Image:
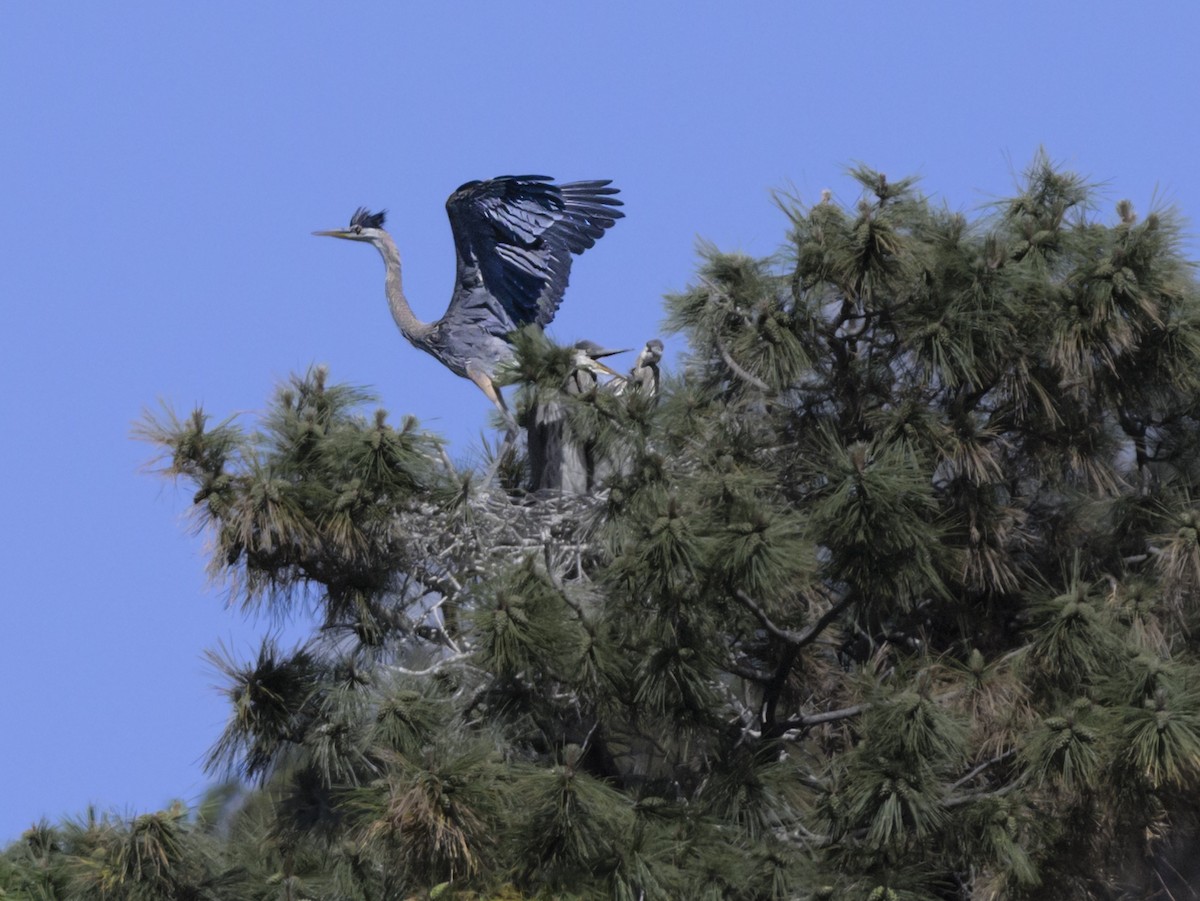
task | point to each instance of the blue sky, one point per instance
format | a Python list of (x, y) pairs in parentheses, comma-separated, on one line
[(162, 167)]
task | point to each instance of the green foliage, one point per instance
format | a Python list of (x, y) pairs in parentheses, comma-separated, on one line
[(525, 629), (891, 592), (433, 813)]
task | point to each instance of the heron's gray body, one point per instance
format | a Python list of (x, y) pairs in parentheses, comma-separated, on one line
[(470, 343)]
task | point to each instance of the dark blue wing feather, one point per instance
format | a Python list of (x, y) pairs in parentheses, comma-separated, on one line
[(514, 237)]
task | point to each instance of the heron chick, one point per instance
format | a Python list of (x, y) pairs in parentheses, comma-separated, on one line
[(514, 239), (587, 355), (645, 372)]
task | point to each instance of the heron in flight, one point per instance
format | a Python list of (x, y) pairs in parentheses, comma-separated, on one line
[(514, 237)]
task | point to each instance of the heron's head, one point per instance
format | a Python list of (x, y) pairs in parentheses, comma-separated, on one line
[(589, 353), (364, 226)]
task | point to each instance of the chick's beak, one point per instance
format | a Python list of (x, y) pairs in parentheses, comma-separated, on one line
[(596, 364)]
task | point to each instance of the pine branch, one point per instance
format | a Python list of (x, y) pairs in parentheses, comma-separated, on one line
[(739, 371), (816, 719), (975, 771), (959, 800), (805, 636), (435, 668), (845, 713), (558, 583), (746, 672), (787, 635)]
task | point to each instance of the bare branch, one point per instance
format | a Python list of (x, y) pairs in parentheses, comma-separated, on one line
[(746, 601), (959, 800), (800, 638), (739, 371), (975, 771), (434, 668), (829, 716)]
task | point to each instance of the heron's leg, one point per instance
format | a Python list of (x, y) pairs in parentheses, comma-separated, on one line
[(488, 387), (508, 448)]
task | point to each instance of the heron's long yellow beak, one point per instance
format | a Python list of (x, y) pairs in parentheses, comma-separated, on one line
[(337, 233), (583, 361)]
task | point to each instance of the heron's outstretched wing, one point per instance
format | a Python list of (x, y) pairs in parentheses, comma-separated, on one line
[(514, 237)]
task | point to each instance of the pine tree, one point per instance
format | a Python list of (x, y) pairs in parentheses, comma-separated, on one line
[(891, 592)]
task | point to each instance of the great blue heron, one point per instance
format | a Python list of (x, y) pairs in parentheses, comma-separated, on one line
[(559, 460), (645, 376), (587, 355), (514, 237)]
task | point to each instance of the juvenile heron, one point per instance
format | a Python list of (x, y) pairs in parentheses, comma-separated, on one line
[(588, 355), (559, 459), (645, 375), (514, 237)]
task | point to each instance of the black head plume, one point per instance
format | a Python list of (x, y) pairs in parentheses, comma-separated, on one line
[(364, 218)]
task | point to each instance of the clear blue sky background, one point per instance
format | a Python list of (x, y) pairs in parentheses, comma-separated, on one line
[(162, 166)]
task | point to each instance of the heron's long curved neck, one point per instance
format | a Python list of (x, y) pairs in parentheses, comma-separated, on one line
[(410, 326)]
